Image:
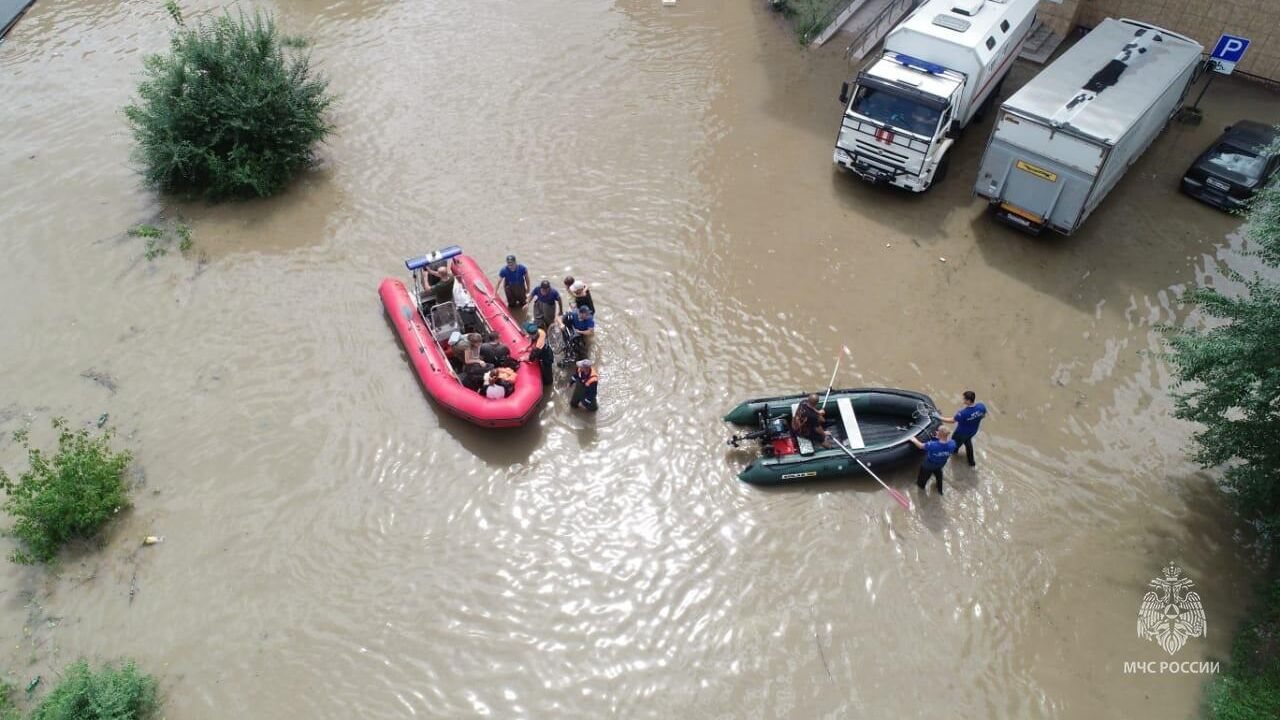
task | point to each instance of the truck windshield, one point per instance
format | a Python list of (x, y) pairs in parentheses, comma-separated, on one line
[(900, 112)]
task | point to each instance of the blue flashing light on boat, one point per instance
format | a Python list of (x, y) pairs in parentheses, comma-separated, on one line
[(425, 260)]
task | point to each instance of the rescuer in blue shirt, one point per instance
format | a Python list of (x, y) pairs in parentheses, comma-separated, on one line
[(936, 454), (967, 421), (513, 280)]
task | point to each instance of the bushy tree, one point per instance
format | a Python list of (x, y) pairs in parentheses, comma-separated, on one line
[(1229, 375), (232, 110), (67, 496), (109, 693)]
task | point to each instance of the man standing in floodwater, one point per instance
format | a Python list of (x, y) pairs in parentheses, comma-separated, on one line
[(585, 382), (936, 454), (967, 421), (514, 280)]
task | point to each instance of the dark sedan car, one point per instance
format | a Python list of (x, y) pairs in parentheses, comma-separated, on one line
[(1237, 164)]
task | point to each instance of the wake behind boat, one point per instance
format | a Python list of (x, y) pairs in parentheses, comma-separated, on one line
[(875, 424)]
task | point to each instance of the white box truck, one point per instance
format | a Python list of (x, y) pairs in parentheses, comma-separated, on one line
[(938, 68), (1063, 141)]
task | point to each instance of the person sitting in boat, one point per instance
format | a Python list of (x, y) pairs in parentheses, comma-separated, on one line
[(585, 383), (807, 422), (514, 280), (936, 454), (546, 304), (495, 352), (580, 293), (452, 350), (499, 385), (467, 349), (540, 351), (474, 375)]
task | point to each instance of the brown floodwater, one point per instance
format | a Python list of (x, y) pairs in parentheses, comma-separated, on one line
[(336, 547)]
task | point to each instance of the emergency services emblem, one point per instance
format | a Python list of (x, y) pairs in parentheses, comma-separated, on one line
[(1171, 612)]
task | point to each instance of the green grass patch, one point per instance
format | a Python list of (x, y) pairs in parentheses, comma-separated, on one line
[(8, 705), (67, 495), (160, 238), (809, 17), (1250, 688), (108, 693)]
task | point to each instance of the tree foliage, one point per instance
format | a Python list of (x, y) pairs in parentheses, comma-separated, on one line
[(1229, 374), (110, 693), (67, 496), (232, 110)]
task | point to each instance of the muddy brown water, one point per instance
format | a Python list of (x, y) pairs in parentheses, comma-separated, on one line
[(335, 547)]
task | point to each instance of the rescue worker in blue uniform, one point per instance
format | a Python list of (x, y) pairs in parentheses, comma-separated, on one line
[(936, 454), (967, 420)]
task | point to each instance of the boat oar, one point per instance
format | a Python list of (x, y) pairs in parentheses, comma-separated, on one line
[(844, 351), (902, 499)]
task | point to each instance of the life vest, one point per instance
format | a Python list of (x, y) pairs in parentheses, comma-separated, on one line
[(590, 379)]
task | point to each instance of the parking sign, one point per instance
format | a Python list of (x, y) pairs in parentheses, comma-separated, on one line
[(1228, 52)]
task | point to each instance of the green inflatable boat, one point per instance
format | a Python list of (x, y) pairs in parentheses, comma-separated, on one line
[(876, 424)]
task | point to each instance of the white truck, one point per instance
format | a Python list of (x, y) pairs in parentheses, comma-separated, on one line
[(1064, 140), (940, 67)]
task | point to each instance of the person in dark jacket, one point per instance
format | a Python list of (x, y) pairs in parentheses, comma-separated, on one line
[(474, 375), (808, 420), (936, 454), (585, 384), (540, 352)]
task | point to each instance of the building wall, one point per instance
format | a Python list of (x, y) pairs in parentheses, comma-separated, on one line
[(1203, 20)]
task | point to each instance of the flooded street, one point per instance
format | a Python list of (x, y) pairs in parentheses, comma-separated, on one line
[(337, 547)]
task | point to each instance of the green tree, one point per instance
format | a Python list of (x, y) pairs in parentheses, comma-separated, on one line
[(1229, 374), (232, 110), (67, 496)]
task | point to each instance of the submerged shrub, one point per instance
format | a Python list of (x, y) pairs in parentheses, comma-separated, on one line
[(107, 694), (232, 110), (67, 496)]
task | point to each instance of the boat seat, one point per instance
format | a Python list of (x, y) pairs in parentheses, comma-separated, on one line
[(444, 321), (852, 434)]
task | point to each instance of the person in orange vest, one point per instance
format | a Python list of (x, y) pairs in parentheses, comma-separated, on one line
[(540, 352), (584, 382)]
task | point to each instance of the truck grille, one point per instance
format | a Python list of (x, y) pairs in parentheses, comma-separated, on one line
[(877, 151)]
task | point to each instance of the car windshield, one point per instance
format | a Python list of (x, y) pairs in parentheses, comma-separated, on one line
[(897, 111), (1234, 160)]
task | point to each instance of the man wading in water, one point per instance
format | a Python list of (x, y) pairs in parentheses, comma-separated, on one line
[(967, 421), (936, 454), (515, 278)]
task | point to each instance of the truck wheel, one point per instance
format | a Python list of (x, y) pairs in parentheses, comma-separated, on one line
[(941, 173), (989, 102)]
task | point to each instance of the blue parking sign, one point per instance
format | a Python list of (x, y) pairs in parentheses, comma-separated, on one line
[(1228, 52)]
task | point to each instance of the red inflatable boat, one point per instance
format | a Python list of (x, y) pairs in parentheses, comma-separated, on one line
[(425, 319)]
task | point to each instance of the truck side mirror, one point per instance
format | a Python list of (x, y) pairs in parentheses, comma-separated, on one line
[(844, 93), (953, 130)]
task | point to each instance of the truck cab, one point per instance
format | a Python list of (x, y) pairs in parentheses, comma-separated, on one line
[(899, 122), (939, 68)]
